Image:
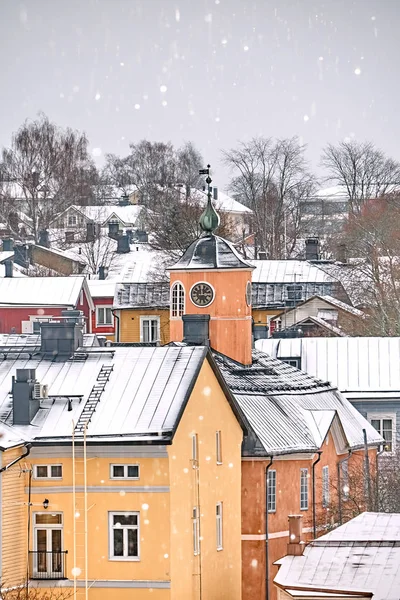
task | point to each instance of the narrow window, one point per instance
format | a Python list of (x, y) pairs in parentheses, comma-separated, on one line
[(218, 447), (303, 489), (385, 428), (345, 480), (149, 329), (218, 515), (195, 452), (177, 300), (195, 530), (124, 535), (271, 491), (325, 486)]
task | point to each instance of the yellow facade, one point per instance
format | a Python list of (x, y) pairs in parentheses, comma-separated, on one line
[(170, 484), (129, 328)]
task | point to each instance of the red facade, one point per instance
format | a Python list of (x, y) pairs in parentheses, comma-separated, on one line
[(98, 328)]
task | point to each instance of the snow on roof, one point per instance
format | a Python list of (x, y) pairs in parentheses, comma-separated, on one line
[(275, 399), (330, 300), (41, 291), (6, 255), (322, 323), (145, 393), (361, 556), (101, 288), (102, 214), (210, 252), (223, 202), (144, 295), (353, 364), (288, 271)]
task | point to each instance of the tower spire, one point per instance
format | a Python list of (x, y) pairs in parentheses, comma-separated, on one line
[(209, 219)]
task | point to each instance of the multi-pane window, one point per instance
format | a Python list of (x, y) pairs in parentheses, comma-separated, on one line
[(47, 471), (303, 489), (385, 428), (124, 471), (177, 300), (271, 491), (325, 486), (149, 329), (72, 220), (195, 450), (124, 535), (196, 531), (218, 516), (218, 447), (104, 316)]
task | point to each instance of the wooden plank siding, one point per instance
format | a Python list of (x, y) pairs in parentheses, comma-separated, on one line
[(14, 535), (130, 324)]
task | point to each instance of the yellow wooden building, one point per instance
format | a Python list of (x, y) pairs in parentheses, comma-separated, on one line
[(121, 472)]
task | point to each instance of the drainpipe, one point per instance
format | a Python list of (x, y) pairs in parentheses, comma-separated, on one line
[(13, 462), (377, 503), (313, 494), (367, 471), (339, 465), (267, 468), (117, 325)]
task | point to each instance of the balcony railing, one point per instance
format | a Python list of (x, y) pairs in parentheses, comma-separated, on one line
[(47, 565)]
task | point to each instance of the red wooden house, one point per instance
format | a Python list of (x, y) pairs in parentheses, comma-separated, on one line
[(102, 293), (25, 301)]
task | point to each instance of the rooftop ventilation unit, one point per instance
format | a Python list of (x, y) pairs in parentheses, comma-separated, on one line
[(40, 391)]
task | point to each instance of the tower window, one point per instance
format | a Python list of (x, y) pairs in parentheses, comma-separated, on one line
[(177, 300)]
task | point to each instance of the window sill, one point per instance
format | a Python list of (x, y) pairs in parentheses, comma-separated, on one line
[(104, 325), (304, 508), (219, 464), (124, 478), (124, 559), (271, 512)]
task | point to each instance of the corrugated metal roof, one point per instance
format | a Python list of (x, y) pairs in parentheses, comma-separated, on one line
[(145, 393), (288, 271), (363, 555), (353, 364), (211, 252), (276, 399), (40, 291), (145, 295), (276, 295)]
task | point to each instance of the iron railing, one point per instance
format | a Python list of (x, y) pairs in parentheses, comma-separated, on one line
[(47, 565)]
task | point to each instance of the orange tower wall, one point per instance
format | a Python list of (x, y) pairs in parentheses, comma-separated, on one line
[(230, 317)]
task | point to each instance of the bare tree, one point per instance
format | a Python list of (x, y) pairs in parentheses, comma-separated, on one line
[(25, 592), (101, 252), (45, 169), (272, 177), (363, 171)]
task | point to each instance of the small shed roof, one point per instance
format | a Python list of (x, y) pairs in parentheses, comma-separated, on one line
[(362, 556)]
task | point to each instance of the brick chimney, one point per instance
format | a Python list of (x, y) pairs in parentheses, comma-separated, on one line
[(295, 546)]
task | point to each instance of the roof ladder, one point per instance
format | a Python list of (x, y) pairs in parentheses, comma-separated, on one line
[(94, 398)]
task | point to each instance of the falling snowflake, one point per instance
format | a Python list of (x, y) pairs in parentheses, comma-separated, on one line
[(306, 118), (245, 48), (177, 15), (224, 41), (97, 96), (164, 103), (208, 18), (76, 571), (145, 506), (163, 89), (357, 71), (96, 152), (137, 106)]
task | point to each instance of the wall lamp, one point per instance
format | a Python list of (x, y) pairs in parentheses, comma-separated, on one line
[(45, 503)]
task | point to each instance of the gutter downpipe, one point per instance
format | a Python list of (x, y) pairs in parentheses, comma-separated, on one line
[(378, 454), (313, 494), (117, 325), (340, 462), (267, 468)]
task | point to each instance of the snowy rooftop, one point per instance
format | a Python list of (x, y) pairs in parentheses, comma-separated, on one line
[(144, 295), (101, 288), (145, 393), (282, 405), (288, 271), (211, 252), (223, 202), (41, 291), (333, 302), (361, 556), (356, 365), (127, 215)]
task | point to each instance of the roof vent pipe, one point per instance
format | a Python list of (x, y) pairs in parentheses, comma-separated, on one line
[(9, 266), (25, 405), (262, 255), (312, 249)]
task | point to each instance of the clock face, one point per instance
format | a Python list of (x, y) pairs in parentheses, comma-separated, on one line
[(202, 294), (248, 293)]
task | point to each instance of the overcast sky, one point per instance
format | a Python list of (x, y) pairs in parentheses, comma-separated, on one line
[(210, 71)]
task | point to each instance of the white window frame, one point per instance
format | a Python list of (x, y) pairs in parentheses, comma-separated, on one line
[(219, 525), (104, 307), (125, 466), (124, 558), (271, 491), (178, 300), (151, 318), (35, 475), (325, 486), (303, 489), (196, 530), (218, 447), (375, 416), (72, 217), (195, 450)]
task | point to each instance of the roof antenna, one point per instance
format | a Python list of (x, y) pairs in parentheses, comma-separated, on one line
[(209, 220)]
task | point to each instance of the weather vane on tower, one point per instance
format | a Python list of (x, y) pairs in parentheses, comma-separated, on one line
[(209, 220)]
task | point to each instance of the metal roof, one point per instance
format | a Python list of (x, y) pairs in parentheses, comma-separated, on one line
[(143, 295), (353, 364), (361, 556), (42, 291), (288, 271), (101, 288), (276, 295), (280, 402), (210, 252), (145, 394)]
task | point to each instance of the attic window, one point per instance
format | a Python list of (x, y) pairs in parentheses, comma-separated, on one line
[(72, 220), (293, 361)]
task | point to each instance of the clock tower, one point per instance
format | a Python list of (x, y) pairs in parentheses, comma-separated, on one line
[(213, 280)]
